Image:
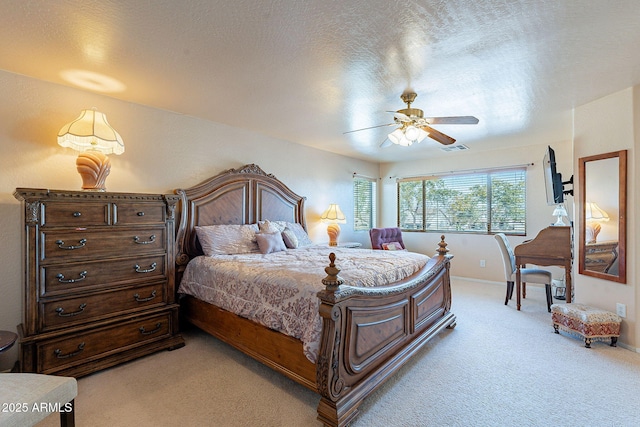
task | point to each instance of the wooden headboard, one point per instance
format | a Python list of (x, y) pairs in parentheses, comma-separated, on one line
[(236, 196)]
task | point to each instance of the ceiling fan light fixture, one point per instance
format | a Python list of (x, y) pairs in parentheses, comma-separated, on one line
[(412, 133), (422, 134), (396, 136)]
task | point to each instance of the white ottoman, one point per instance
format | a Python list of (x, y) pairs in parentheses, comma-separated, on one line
[(27, 399)]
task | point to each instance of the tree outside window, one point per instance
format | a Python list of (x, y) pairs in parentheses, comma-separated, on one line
[(479, 202)]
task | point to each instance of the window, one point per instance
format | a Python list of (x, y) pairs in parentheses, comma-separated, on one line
[(479, 202), (364, 203)]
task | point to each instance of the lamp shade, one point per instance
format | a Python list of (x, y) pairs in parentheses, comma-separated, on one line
[(333, 214), (560, 211), (91, 132), (593, 212)]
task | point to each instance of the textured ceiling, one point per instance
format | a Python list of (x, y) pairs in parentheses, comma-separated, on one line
[(308, 70)]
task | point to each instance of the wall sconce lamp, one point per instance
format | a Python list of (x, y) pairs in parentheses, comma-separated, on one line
[(333, 215), (559, 212), (593, 214), (94, 138), (407, 134)]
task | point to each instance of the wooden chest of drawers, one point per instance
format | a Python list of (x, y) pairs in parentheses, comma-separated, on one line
[(99, 279)]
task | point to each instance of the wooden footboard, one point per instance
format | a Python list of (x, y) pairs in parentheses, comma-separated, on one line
[(369, 333)]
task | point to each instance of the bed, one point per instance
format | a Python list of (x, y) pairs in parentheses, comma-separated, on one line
[(365, 334)]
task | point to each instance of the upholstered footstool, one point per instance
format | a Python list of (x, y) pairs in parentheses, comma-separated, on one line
[(30, 398), (588, 322)]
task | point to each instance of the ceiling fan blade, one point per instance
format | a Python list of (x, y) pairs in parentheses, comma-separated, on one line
[(386, 143), (454, 120), (438, 136), (371, 127), (401, 116)]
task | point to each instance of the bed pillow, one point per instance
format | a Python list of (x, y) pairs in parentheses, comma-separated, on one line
[(227, 239), (392, 246), (290, 238), (270, 242), (300, 233), (267, 226)]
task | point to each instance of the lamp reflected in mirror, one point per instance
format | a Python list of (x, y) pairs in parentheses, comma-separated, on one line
[(593, 215)]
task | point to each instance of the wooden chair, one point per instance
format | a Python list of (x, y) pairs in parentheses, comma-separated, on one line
[(380, 236), (531, 275)]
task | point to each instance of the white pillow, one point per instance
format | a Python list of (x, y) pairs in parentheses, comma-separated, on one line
[(302, 236), (227, 239), (290, 238), (267, 226), (270, 242)]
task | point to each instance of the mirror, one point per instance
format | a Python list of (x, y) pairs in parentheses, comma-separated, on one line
[(602, 206)]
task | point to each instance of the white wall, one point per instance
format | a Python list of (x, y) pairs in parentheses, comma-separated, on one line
[(164, 151), (469, 249), (603, 126)]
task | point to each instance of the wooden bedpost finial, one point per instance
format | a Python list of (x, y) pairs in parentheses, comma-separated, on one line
[(332, 281), (442, 246)]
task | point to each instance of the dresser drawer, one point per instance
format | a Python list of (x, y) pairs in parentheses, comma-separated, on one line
[(83, 347), (82, 276), (70, 311), (83, 243), (139, 213), (75, 214)]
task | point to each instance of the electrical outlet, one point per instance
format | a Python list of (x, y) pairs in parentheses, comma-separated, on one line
[(621, 309), (483, 263)]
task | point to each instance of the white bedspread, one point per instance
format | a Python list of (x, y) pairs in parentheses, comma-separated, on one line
[(278, 290)]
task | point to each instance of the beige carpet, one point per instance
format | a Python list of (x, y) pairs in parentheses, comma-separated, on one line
[(498, 367)]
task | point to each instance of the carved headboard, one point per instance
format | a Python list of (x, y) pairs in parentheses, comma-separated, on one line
[(236, 196)]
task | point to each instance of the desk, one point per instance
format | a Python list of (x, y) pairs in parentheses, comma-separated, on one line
[(600, 256), (552, 246)]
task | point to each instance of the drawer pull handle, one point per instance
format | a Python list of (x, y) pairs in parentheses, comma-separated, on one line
[(145, 332), (82, 243), (77, 214), (59, 354), (137, 297), (140, 214), (137, 240), (148, 270), (61, 279), (61, 312)]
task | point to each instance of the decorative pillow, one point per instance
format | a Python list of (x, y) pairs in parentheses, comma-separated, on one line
[(227, 239), (290, 239), (392, 246), (270, 242), (267, 226), (303, 237)]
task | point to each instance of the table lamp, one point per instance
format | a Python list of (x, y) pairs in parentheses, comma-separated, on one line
[(593, 214), (333, 215), (94, 138), (559, 212)]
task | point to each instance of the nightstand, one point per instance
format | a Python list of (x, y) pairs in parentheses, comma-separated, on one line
[(349, 245), (7, 339)]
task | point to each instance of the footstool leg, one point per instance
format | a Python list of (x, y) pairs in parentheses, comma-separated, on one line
[(555, 328), (614, 341), (587, 342)]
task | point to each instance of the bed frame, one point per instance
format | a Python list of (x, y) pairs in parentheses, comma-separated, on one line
[(367, 334)]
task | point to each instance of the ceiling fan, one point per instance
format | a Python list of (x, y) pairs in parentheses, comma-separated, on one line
[(414, 127)]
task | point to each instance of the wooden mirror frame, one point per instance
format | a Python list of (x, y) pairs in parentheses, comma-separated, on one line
[(621, 277)]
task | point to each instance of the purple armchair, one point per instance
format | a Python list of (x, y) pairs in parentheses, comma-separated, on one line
[(385, 235)]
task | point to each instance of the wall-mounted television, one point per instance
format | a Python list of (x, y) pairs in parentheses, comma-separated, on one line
[(553, 179)]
